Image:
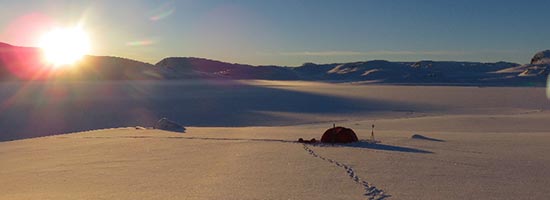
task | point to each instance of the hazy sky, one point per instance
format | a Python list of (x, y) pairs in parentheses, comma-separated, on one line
[(291, 32)]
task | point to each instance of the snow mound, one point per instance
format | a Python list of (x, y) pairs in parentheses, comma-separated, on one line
[(421, 137)]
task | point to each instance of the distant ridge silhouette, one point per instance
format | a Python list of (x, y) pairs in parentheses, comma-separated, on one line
[(24, 63)]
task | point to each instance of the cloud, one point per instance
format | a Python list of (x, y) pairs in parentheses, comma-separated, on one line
[(322, 53), (371, 53)]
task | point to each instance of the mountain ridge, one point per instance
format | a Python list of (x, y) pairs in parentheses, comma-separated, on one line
[(23, 63)]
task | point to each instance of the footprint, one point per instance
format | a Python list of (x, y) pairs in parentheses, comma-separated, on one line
[(371, 192)]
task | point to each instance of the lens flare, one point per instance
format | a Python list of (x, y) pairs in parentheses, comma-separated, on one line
[(162, 15), (26, 29), (163, 11), (140, 43)]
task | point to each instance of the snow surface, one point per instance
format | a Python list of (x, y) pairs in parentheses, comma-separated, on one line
[(486, 143)]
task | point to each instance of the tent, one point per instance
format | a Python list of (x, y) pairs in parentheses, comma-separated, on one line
[(339, 135)]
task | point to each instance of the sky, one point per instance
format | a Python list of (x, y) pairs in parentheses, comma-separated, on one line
[(291, 32)]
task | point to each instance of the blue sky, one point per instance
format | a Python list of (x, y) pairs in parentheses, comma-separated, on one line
[(286, 32)]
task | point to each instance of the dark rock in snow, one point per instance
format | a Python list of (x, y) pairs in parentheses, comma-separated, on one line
[(168, 125)]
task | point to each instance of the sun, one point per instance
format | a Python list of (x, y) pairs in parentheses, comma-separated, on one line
[(64, 46)]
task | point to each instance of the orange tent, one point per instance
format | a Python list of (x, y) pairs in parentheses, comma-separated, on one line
[(339, 135)]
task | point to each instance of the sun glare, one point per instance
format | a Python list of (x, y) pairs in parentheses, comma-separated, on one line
[(64, 46)]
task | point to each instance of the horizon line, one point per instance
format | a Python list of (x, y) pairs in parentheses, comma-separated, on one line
[(329, 53)]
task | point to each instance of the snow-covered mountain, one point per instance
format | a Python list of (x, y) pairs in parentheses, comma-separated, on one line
[(375, 71), (542, 57), (22, 63), (422, 72), (539, 68), (188, 67)]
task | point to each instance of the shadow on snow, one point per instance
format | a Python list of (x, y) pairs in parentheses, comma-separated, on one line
[(32, 109)]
